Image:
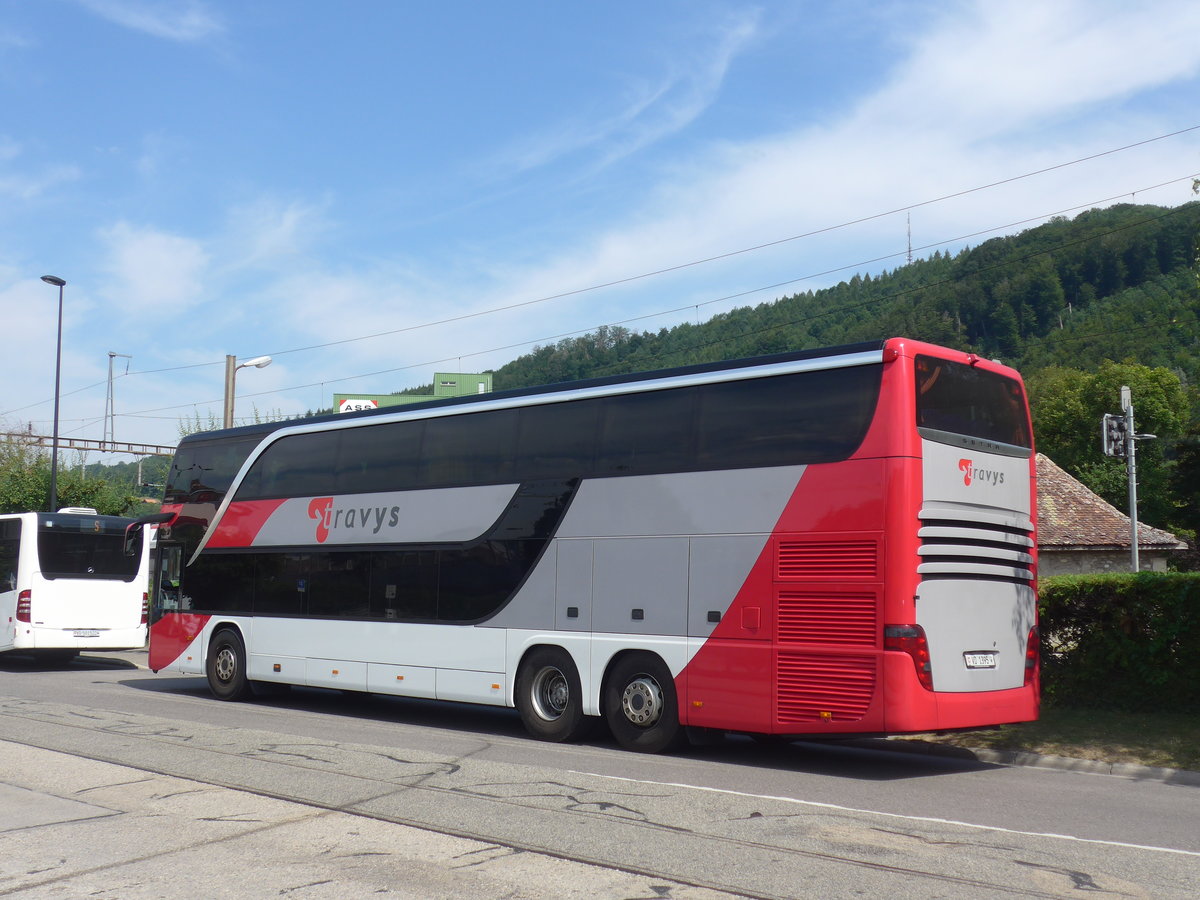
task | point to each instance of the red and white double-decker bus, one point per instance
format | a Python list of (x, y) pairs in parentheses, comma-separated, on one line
[(816, 543)]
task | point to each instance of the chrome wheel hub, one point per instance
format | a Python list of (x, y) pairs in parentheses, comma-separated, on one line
[(225, 665), (551, 692), (642, 701)]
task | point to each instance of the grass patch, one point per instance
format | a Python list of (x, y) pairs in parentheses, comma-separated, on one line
[(1150, 739)]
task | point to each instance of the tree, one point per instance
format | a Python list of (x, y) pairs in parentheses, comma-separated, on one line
[(1061, 417), (1067, 409), (25, 484), (1186, 480)]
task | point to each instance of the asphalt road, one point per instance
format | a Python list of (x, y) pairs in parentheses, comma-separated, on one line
[(737, 817)]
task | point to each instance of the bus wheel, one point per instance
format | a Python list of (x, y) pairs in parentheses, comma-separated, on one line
[(640, 704), (226, 666), (549, 697)]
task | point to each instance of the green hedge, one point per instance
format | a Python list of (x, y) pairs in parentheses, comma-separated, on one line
[(1129, 642)]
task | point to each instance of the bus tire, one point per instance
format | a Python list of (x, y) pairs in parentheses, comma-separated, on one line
[(549, 697), (640, 704), (226, 666)]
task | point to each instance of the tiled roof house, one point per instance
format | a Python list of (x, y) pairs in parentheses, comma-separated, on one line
[(1080, 533)]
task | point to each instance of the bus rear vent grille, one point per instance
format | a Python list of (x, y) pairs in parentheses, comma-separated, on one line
[(824, 618), (827, 560), (824, 688), (953, 545)]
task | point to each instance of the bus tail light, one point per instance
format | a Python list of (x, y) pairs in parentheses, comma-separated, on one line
[(145, 607), (911, 639), (1033, 647), (25, 606)]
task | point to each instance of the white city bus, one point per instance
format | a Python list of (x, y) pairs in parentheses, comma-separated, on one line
[(68, 582)]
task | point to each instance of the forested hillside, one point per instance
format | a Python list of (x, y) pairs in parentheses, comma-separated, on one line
[(1080, 306), (1117, 283)]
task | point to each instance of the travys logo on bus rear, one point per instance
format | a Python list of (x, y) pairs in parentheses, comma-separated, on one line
[(961, 475), (972, 474)]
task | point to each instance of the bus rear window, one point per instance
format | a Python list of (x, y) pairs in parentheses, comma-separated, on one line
[(79, 547), (964, 400)]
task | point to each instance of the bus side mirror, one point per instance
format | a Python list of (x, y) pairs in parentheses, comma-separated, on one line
[(133, 531)]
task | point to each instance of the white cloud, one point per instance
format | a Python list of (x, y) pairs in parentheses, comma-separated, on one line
[(989, 67), (988, 92), (158, 152), (650, 109), (10, 38), (268, 231), (186, 21), (27, 185), (153, 271)]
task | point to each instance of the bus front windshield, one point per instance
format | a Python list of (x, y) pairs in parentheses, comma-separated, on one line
[(959, 399)]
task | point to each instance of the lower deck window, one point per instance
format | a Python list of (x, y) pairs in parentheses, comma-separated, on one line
[(446, 585)]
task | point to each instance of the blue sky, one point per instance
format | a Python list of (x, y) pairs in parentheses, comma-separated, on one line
[(264, 176)]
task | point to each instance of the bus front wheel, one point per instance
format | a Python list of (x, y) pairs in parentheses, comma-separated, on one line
[(226, 666), (641, 706), (549, 697)]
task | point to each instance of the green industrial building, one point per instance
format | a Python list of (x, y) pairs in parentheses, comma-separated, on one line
[(445, 384)]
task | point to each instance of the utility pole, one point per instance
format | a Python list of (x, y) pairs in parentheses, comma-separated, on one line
[(231, 370), (110, 409), (1119, 439)]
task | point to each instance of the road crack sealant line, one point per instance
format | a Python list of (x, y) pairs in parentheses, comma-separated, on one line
[(456, 832), (932, 820), (158, 854)]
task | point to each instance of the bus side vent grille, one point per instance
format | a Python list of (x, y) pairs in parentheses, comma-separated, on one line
[(827, 560), (824, 688), (826, 618)]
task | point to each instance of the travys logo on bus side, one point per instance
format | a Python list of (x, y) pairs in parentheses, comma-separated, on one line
[(970, 473), (329, 518), (321, 509)]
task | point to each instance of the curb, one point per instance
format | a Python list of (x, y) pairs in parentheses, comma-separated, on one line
[(1035, 760)]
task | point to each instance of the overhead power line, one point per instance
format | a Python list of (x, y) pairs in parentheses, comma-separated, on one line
[(732, 253), (751, 291), (661, 271)]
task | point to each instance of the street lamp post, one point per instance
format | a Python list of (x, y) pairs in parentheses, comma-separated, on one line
[(231, 367), (60, 284)]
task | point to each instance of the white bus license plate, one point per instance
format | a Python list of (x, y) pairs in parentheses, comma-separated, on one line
[(980, 660), (91, 632)]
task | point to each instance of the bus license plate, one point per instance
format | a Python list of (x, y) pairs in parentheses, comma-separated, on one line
[(86, 632), (980, 660)]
